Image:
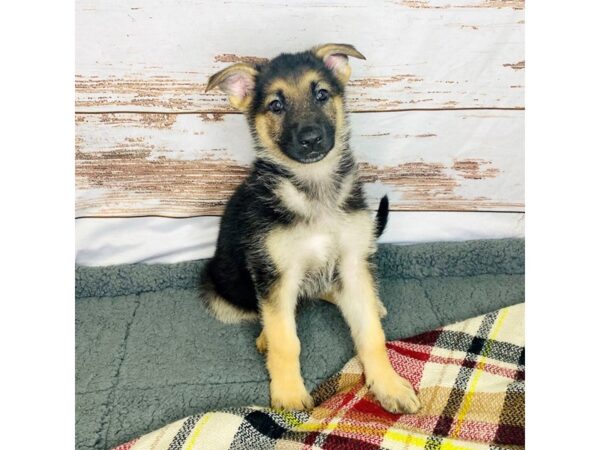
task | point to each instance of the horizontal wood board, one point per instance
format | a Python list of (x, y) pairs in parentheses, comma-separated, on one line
[(156, 56), (180, 165)]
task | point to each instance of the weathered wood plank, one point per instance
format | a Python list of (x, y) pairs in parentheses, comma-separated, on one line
[(437, 54), (181, 165)]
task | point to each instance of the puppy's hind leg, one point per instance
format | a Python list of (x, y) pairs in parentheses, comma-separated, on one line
[(261, 342), (381, 309), (330, 297)]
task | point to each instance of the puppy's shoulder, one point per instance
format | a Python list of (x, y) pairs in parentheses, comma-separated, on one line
[(355, 199)]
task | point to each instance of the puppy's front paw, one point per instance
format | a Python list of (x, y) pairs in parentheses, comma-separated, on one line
[(291, 397), (394, 393)]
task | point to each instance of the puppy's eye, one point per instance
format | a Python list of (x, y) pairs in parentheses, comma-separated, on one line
[(276, 106), (322, 95)]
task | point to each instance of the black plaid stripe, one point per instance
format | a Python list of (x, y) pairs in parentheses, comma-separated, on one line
[(498, 350), (511, 427), (261, 430), (326, 389), (520, 376), (184, 432), (522, 359), (296, 436), (444, 423), (257, 431)]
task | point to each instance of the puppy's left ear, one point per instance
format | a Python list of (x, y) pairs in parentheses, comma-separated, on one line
[(335, 57), (237, 81)]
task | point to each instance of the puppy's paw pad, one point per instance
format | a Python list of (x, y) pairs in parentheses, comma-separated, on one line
[(395, 394)]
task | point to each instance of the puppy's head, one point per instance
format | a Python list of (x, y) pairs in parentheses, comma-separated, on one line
[(294, 103)]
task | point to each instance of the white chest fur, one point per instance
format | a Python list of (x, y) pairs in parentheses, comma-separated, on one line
[(308, 252)]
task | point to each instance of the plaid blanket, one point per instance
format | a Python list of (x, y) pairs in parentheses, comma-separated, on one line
[(471, 382)]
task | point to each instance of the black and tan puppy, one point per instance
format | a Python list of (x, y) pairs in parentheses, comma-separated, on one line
[(298, 226)]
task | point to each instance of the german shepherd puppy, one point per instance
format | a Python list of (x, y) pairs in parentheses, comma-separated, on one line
[(298, 226)]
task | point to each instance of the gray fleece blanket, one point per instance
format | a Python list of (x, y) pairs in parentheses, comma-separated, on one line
[(148, 353)]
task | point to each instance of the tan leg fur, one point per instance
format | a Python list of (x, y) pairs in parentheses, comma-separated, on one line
[(361, 307), (261, 342), (359, 304), (328, 297), (283, 355)]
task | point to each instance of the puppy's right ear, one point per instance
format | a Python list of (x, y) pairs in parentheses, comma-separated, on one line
[(237, 81), (335, 57)]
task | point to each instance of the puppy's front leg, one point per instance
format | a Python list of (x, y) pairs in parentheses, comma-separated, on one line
[(283, 348), (359, 304)]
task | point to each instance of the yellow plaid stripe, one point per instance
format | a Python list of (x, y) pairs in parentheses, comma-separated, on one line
[(196, 432), (462, 413)]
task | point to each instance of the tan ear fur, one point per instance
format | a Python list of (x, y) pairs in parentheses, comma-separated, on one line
[(335, 57), (237, 81), (322, 51)]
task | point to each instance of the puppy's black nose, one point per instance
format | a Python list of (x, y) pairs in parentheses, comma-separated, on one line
[(310, 136)]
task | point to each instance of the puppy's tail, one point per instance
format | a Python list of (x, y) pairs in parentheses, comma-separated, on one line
[(382, 215)]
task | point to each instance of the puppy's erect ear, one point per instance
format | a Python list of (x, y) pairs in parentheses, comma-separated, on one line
[(237, 81), (335, 57)]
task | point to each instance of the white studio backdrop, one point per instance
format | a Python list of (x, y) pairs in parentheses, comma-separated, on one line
[(161, 240)]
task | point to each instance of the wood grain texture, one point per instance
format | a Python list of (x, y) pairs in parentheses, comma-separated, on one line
[(181, 165), (153, 56)]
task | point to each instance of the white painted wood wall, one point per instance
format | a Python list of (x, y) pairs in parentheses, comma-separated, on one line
[(437, 115)]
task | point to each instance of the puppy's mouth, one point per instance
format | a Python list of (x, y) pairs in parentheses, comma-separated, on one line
[(304, 156), (307, 155), (312, 157)]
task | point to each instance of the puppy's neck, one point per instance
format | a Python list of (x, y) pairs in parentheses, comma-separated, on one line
[(318, 191), (326, 174), (322, 173)]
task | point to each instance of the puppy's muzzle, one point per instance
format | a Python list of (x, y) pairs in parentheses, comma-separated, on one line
[(312, 144)]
